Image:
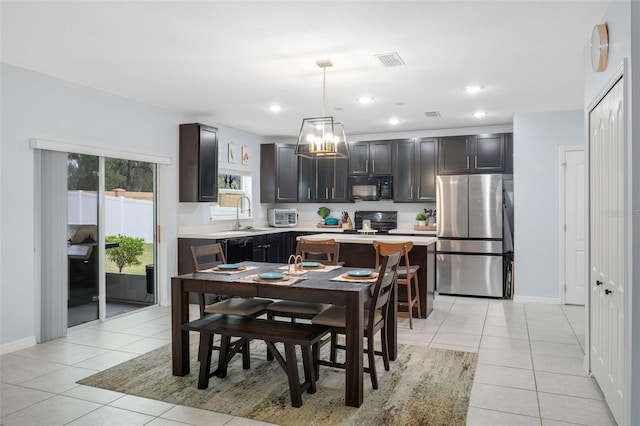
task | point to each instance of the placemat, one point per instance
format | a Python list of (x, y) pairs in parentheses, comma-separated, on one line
[(288, 280), (229, 271), (323, 268), (347, 278)]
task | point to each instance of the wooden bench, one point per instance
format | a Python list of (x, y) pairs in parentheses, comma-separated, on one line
[(307, 336)]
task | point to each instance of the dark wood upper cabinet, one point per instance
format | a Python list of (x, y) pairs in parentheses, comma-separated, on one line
[(198, 163), (454, 153), (370, 158), (489, 154), (471, 154), (403, 170), (414, 170), (278, 173), (306, 179), (425, 169), (340, 190)]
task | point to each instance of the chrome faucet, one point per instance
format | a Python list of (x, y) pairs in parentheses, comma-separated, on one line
[(238, 210)]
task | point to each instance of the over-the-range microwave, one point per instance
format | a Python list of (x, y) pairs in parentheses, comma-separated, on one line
[(282, 217), (371, 188)]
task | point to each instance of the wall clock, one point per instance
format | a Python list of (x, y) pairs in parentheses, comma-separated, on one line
[(599, 47)]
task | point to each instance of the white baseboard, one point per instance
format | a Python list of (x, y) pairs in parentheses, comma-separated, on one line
[(27, 342), (533, 299)]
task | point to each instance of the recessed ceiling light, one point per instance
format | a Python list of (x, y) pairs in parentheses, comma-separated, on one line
[(472, 90), (479, 114), (365, 100), (275, 108), (393, 121)]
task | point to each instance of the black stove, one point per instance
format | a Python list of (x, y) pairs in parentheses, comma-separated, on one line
[(381, 221)]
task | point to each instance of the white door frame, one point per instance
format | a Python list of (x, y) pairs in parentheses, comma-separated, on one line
[(561, 231)]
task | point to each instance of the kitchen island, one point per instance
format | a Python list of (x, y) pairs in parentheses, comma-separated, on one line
[(357, 251)]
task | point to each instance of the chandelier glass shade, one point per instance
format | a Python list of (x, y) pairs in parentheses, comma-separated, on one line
[(322, 137)]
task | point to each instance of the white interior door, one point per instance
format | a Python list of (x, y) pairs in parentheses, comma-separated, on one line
[(574, 208), (608, 229)]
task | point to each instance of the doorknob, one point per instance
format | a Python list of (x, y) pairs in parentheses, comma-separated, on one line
[(607, 291), (598, 282)]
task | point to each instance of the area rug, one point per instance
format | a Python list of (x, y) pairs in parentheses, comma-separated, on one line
[(425, 386)]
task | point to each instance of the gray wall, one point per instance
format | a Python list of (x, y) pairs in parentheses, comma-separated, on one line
[(536, 140), (38, 106)]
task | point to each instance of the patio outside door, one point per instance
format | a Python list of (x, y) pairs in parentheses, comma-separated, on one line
[(82, 238)]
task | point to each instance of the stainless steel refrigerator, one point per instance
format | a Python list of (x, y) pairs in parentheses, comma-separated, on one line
[(469, 230)]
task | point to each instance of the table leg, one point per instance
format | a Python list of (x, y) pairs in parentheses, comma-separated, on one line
[(179, 337), (354, 369)]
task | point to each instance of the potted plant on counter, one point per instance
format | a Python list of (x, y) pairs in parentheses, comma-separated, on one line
[(422, 219)]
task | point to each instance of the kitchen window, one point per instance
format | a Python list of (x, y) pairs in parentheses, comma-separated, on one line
[(232, 186)]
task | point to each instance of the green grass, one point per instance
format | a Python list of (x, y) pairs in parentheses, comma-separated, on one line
[(145, 259)]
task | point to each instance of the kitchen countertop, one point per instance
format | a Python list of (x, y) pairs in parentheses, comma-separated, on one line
[(368, 239), (270, 230)]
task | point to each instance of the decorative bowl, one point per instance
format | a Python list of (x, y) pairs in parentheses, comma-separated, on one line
[(331, 221), (359, 273), (271, 275)]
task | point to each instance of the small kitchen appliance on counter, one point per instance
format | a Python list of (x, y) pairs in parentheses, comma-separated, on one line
[(281, 218)]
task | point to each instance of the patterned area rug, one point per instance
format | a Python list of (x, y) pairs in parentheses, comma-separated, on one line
[(424, 387)]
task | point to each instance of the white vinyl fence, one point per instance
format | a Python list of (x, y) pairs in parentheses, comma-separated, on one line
[(126, 216)]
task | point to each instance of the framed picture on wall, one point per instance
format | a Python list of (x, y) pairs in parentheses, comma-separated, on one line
[(232, 152), (245, 155)]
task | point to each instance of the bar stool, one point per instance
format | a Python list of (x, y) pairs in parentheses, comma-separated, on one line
[(407, 275)]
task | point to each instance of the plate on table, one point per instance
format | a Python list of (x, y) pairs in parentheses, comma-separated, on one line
[(311, 264), (359, 273), (228, 266), (271, 276)]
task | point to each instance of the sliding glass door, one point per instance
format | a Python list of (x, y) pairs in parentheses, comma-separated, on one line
[(129, 222), (82, 238), (125, 210)]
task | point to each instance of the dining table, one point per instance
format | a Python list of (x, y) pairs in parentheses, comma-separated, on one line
[(317, 286)]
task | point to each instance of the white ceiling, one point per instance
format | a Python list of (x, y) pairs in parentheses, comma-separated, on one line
[(226, 62)]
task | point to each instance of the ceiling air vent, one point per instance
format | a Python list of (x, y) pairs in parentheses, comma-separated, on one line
[(390, 59), (432, 114)]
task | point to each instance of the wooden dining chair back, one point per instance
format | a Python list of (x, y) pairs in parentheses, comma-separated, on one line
[(407, 276), (375, 319), (325, 251), (207, 256)]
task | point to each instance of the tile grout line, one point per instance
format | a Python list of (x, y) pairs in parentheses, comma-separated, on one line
[(533, 365)]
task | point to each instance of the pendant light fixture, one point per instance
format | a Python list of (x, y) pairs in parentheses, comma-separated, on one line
[(322, 137)]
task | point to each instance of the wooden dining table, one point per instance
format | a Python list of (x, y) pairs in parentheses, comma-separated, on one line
[(316, 286)]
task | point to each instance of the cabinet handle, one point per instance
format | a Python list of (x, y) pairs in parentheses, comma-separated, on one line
[(418, 193), (598, 282), (309, 192), (607, 291), (467, 161), (475, 161), (333, 192), (373, 166), (366, 166), (326, 193), (411, 191), (278, 193)]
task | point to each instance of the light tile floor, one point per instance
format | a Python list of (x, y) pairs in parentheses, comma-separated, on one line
[(529, 368)]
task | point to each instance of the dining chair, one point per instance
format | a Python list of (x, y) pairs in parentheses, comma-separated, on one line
[(323, 251), (207, 257), (375, 314), (407, 276)]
